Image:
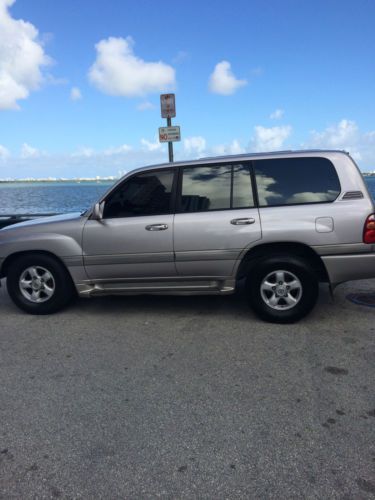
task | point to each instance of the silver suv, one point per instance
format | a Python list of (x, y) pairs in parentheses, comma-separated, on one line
[(282, 221)]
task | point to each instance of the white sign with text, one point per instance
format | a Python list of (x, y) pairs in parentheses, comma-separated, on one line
[(169, 134)]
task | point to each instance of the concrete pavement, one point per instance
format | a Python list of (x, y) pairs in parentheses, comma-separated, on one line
[(187, 397)]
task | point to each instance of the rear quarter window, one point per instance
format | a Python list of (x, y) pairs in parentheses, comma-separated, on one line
[(295, 181)]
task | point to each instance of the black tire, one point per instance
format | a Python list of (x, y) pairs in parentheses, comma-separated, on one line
[(305, 296), (61, 284)]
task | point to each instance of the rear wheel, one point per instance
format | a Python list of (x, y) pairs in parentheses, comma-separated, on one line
[(39, 284), (282, 289)]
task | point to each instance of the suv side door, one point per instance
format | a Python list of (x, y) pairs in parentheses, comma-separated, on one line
[(216, 218), (135, 237)]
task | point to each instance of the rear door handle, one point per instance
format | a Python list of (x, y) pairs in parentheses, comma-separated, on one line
[(157, 227), (242, 222)]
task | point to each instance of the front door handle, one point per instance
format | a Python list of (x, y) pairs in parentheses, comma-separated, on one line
[(157, 227), (242, 222)]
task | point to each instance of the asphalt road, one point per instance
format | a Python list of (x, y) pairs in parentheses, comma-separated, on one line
[(173, 397)]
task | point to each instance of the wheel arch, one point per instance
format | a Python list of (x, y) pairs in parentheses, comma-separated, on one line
[(14, 256), (290, 249)]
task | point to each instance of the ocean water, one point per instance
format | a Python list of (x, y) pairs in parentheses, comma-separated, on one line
[(370, 181), (49, 197), (63, 197)]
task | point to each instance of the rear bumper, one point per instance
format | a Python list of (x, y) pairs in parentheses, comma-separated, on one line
[(342, 268)]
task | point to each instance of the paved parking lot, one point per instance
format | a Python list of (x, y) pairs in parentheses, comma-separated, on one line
[(173, 397)]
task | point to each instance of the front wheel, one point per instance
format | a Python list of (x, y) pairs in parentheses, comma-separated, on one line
[(282, 289), (39, 284)]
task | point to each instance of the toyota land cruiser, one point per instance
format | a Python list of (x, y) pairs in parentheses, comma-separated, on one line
[(282, 221)]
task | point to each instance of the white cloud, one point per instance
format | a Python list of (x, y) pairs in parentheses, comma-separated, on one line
[(28, 151), (54, 80), (151, 146), (83, 152), (85, 162), (277, 114), (336, 136), (181, 57), (117, 71), (343, 135), (219, 149), (145, 105), (4, 153), (269, 139), (233, 148), (123, 149), (195, 145), (222, 80), (75, 94), (22, 58), (346, 135)]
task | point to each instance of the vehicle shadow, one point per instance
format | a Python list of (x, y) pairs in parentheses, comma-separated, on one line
[(165, 304), (236, 304)]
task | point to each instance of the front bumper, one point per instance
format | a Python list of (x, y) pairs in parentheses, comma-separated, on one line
[(342, 268)]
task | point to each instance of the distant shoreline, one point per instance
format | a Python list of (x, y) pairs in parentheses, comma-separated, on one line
[(58, 181)]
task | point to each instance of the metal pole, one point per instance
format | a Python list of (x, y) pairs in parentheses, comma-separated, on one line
[(170, 144)]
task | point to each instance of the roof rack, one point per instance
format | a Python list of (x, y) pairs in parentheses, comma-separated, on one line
[(275, 153), (242, 155)]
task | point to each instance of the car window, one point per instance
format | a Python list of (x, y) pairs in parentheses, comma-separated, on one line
[(144, 194), (242, 187), (291, 181), (216, 187)]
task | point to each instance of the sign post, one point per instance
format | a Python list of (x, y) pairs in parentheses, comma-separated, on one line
[(170, 143), (169, 134)]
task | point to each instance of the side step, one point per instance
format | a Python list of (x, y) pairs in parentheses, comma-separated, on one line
[(214, 287)]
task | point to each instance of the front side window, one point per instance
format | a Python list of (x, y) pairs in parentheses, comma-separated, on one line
[(144, 194), (216, 187), (293, 181)]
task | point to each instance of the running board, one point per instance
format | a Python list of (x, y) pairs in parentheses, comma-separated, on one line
[(213, 287)]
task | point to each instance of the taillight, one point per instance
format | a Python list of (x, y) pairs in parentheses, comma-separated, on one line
[(369, 230)]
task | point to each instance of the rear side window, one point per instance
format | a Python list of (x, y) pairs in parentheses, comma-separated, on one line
[(216, 187), (293, 181)]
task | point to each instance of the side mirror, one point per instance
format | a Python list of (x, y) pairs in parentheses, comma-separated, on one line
[(97, 213)]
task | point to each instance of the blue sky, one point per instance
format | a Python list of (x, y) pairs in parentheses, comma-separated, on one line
[(80, 82)]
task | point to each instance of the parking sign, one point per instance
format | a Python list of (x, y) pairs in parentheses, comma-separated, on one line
[(168, 105)]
